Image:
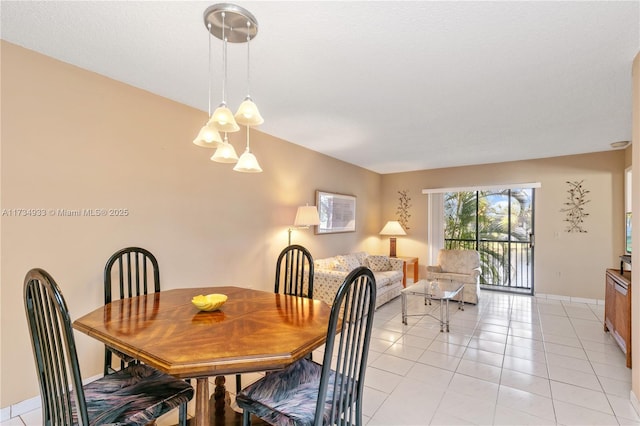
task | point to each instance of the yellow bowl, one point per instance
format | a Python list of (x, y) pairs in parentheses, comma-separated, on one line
[(210, 302)]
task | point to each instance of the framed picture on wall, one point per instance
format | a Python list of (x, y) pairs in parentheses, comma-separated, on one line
[(337, 212)]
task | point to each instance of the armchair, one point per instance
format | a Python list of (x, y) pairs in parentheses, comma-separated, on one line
[(460, 266)]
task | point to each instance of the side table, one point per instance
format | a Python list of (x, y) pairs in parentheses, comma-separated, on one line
[(408, 261)]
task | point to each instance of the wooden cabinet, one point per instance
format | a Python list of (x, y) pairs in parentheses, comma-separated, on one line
[(617, 309)]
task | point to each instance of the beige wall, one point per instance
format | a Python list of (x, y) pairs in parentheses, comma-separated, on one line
[(72, 139), (568, 264)]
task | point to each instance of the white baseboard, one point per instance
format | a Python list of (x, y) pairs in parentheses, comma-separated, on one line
[(570, 299), (5, 414), (23, 407)]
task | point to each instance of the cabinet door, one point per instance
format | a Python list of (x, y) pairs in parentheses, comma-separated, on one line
[(622, 315), (609, 303)]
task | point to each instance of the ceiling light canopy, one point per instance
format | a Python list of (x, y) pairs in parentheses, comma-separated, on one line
[(231, 24), (620, 144)]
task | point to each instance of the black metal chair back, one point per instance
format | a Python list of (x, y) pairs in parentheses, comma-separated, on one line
[(129, 272), (54, 350), (308, 393), (294, 272), (136, 271), (351, 315)]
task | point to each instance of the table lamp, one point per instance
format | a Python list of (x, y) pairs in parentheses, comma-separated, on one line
[(306, 216), (392, 227)]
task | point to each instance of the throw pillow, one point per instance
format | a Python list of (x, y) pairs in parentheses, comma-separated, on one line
[(337, 265), (379, 263), (347, 263)]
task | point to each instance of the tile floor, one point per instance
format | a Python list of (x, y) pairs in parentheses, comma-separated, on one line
[(510, 360)]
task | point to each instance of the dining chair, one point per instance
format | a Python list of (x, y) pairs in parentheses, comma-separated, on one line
[(135, 395), (129, 272), (307, 393), (294, 272)]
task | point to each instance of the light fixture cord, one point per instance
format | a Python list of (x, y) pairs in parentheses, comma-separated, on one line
[(210, 66), (224, 59), (247, 138), (248, 58)]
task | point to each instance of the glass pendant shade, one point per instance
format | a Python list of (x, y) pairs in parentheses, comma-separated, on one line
[(248, 163), (208, 137), (248, 114), (225, 153), (222, 119)]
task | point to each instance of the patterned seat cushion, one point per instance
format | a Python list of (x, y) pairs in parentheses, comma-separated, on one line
[(288, 397), (133, 396)]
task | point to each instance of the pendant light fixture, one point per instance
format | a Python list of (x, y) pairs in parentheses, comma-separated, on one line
[(222, 118), (231, 24), (248, 114), (208, 137), (225, 153), (248, 163)]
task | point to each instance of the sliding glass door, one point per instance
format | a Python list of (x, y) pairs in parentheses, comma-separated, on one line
[(499, 224)]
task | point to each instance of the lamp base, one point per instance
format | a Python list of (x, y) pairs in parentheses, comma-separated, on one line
[(392, 247)]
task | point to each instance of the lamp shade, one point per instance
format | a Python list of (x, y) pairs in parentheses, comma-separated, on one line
[(222, 119), (248, 114), (248, 163), (208, 137), (307, 216), (225, 153), (393, 227)]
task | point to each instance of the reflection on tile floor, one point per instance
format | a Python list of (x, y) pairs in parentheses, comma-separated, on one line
[(510, 360)]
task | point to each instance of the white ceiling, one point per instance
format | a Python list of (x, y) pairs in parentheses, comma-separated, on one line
[(389, 86)]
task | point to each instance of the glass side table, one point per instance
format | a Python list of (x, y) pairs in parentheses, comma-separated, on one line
[(430, 290)]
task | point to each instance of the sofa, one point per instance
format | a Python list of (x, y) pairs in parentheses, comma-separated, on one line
[(329, 274), (461, 266)]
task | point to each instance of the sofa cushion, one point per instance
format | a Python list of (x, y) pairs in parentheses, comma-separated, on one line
[(328, 263), (379, 263), (361, 256), (384, 278), (347, 263)]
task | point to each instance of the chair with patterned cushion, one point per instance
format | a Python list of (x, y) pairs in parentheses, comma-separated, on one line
[(135, 395), (307, 393)]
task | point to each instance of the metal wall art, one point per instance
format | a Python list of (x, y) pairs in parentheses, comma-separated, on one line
[(403, 209), (575, 207)]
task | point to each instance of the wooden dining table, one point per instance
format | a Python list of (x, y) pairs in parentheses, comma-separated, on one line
[(253, 331)]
